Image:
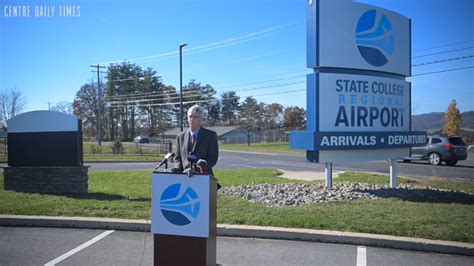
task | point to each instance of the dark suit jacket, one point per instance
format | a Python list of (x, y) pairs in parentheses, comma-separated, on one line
[(206, 148)]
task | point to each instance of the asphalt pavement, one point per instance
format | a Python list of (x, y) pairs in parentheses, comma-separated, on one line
[(40, 246), (463, 172)]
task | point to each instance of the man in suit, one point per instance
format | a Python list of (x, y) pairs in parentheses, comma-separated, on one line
[(197, 141)]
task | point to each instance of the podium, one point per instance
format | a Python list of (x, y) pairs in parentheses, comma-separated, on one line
[(184, 217)]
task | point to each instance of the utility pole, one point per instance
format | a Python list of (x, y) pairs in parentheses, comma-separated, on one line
[(49, 105), (181, 85), (99, 107)]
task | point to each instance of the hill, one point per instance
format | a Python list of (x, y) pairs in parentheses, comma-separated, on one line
[(435, 121)]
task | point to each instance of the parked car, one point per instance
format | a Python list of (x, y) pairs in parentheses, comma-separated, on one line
[(440, 149), (141, 139)]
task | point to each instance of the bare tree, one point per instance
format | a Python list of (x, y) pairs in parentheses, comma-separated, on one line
[(12, 103), (63, 107)]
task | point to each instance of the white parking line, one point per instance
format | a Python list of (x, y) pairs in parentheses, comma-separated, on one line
[(361, 256), (79, 248)]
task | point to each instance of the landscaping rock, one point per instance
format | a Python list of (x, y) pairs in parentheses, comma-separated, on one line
[(296, 194)]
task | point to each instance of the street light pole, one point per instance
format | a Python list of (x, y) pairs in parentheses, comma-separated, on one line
[(181, 84), (99, 111)]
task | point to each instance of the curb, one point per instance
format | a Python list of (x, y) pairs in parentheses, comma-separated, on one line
[(324, 236), (124, 161), (111, 161)]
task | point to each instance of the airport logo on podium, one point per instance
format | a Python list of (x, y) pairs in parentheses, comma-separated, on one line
[(374, 38), (179, 204)]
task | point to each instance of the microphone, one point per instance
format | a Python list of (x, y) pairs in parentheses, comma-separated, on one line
[(192, 158), (202, 166), (192, 163), (169, 155), (165, 160)]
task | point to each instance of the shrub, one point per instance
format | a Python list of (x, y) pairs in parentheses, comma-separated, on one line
[(117, 147), (96, 149)]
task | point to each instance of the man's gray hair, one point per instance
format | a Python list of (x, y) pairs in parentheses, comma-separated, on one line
[(196, 110)]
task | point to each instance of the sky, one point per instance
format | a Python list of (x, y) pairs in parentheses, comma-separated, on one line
[(230, 43)]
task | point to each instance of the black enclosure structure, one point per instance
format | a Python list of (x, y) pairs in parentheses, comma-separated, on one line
[(45, 154), (45, 138)]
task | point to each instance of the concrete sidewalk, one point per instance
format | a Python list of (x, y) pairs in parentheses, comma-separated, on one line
[(324, 236), (308, 175)]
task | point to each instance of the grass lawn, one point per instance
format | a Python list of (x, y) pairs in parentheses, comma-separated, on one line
[(262, 147), (126, 194), (113, 157)]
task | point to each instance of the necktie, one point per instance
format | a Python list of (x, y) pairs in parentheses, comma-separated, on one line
[(192, 143)]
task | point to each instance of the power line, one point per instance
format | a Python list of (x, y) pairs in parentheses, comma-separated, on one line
[(420, 74), (443, 52), (271, 86), (150, 94), (249, 89), (209, 100), (257, 81), (444, 45), (444, 60), (265, 81), (165, 94), (442, 71), (213, 45), (237, 97), (161, 94), (155, 99), (274, 93), (130, 78), (221, 87), (193, 70)]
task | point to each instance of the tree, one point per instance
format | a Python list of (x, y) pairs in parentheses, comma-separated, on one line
[(250, 117), (63, 107), (452, 120), (86, 106), (12, 103), (295, 118), (194, 93), (154, 114), (214, 113), (230, 107), (274, 115), (138, 101)]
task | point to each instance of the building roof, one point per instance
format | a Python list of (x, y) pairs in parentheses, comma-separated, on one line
[(219, 130)]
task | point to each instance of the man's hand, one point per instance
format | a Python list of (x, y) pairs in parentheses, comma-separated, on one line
[(188, 172)]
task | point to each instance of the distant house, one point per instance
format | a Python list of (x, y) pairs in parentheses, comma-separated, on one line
[(225, 134)]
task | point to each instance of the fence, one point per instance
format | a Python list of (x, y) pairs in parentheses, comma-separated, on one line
[(3, 146), (263, 136), (128, 148)]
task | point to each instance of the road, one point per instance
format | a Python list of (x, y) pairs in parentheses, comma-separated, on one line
[(38, 246), (464, 171)]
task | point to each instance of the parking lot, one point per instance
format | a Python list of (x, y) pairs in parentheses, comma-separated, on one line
[(40, 246)]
